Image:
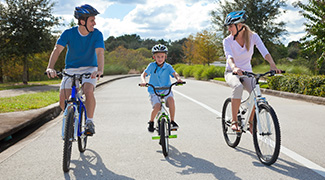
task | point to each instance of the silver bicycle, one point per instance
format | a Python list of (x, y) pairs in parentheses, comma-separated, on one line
[(266, 128)]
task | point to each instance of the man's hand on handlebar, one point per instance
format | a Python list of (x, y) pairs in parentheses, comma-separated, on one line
[(51, 73)]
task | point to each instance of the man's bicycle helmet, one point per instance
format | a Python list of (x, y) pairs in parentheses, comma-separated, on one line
[(85, 11), (159, 48), (235, 18)]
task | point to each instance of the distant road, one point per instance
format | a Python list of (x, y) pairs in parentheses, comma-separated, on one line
[(122, 147)]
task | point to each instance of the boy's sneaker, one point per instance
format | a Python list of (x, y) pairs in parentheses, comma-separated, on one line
[(150, 127), (174, 125), (90, 128)]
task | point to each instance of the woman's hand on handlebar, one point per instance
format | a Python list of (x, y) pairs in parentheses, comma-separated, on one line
[(237, 71)]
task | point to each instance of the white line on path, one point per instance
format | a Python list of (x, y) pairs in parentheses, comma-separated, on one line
[(307, 163)]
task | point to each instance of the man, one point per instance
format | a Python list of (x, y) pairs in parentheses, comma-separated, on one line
[(85, 54)]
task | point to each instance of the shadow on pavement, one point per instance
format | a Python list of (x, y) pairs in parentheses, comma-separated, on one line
[(194, 165), (92, 167), (287, 168)]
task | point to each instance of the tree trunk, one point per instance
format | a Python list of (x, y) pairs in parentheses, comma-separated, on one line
[(25, 71)]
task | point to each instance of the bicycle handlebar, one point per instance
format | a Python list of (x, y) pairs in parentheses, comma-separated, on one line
[(61, 74), (155, 89), (258, 76)]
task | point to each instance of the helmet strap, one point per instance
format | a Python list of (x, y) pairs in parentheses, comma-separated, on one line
[(86, 24), (238, 31)]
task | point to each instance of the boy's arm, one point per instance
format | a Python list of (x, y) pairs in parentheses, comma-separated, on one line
[(177, 77), (143, 79)]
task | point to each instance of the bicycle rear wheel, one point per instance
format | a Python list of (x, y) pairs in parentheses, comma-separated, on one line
[(164, 135), (232, 138), (266, 135), (68, 138), (82, 139)]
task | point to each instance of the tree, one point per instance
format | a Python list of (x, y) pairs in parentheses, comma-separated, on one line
[(26, 29), (204, 48), (314, 42), (261, 16)]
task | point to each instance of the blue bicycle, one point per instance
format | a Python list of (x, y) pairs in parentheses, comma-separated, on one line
[(74, 119)]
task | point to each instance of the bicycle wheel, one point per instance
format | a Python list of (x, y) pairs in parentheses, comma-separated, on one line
[(82, 138), (232, 138), (68, 138), (164, 134), (266, 135)]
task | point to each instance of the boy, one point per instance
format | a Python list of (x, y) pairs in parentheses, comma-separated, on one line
[(160, 73)]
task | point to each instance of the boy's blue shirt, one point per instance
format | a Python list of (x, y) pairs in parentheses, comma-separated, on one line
[(81, 49), (159, 76)]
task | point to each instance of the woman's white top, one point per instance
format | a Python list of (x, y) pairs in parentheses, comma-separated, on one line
[(241, 56)]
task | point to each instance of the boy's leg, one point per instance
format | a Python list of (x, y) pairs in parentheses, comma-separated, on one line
[(171, 106)]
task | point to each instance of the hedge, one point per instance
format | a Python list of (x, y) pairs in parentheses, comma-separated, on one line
[(199, 72), (302, 84)]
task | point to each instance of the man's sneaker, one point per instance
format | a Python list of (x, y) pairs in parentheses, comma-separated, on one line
[(174, 125), (150, 127), (90, 128)]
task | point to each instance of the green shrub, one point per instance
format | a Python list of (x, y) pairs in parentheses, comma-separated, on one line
[(115, 69), (302, 84)]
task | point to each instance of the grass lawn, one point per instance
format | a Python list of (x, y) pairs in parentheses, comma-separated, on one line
[(28, 101)]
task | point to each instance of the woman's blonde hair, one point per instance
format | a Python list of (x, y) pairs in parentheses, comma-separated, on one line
[(247, 36)]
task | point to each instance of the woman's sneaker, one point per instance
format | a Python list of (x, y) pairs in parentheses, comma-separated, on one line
[(150, 127), (174, 125)]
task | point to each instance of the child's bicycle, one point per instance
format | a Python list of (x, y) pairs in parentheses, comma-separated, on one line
[(74, 119), (163, 125), (266, 128)]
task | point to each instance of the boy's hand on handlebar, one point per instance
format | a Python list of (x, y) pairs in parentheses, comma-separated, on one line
[(143, 84)]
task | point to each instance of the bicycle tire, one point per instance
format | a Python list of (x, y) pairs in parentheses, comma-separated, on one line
[(266, 135), (68, 138), (232, 138), (82, 139), (164, 134)]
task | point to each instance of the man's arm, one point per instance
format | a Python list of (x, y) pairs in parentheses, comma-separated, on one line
[(51, 73), (100, 62)]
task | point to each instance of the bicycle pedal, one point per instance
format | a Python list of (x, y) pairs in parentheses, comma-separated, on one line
[(89, 134)]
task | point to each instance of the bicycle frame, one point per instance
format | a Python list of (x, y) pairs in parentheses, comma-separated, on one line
[(247, 106), (76, 100)]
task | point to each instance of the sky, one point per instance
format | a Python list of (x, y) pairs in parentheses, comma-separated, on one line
[(163, 19)]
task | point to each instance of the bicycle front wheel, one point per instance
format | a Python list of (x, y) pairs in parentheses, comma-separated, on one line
[(232, 138), (82, 138), (68, 138), (266, 135), (164, 135)]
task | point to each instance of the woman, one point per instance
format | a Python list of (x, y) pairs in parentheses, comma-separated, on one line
[(239, 49)]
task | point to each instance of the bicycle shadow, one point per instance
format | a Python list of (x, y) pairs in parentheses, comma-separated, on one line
[(92, 167), (282, 166), (195, 165)]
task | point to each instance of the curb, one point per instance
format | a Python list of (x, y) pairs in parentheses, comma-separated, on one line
[(295, 96), (23, 119)]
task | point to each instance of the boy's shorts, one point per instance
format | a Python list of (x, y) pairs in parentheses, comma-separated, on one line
[(67, 81), (155, 99)]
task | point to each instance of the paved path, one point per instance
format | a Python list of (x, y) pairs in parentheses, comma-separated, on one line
[(14, 121)]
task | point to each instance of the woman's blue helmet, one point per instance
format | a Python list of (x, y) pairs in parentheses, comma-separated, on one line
[(85, 11), (235, 18)]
